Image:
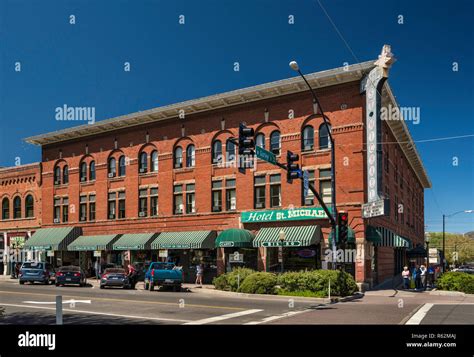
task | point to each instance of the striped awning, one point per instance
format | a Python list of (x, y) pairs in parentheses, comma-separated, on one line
[(185, 240), (86, 243), (391, 239), (53, 238), (302, 236), (136, 241)]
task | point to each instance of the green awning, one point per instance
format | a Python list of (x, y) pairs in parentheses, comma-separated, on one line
[(185, 240), (101, 242), (373, 235), (52, 238), (391, 239), (350, 236), (302, 236), (136, 241), (239, 238)]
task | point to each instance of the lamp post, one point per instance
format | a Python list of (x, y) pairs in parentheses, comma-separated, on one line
[(294, 66), (427, 241), (444, 231), (282, 241)]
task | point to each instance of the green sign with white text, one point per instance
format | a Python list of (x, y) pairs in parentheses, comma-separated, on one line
[(265, 155), (282, 215)]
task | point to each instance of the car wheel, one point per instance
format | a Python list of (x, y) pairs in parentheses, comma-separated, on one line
[(102, 286)]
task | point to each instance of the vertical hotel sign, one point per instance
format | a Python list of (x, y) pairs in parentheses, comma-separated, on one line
[(372, 86)]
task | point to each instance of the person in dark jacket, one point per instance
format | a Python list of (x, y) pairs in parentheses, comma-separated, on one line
[(417, 277)]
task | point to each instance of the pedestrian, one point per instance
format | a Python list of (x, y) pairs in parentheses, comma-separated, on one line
[(423, 276), (199, 274), (417, 277), (132, 275), (406, 278), (97, 269), (431, 273)]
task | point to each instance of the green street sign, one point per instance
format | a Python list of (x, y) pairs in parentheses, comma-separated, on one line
[(265, 155), (296, 214)]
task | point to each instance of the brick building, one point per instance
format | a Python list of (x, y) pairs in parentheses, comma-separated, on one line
[(164, 182)]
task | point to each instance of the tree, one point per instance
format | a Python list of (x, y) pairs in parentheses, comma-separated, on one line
[(457, 245)]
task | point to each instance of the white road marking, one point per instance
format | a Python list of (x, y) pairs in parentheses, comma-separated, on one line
[(419, 315), (223, 317), (99, 313), (71, 301), (276, 317)]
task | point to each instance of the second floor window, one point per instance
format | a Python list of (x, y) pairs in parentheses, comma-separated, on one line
[(57, 175), (190, 156), (230, 151), (61, 209), (65, 175), (122, 165), (143, 165), (325, 187), (87, 204), (154, 201), (216, 152), (154, 161), (259, 192), (178, 157), (83, 172), (230, 195), (190, 198), (275, 190), (260, 140), (308, 138), (275, 142), (178, 207), (323, 136), (143, 203), (92, 171), (309, 200), (112, 171), (216, 196)]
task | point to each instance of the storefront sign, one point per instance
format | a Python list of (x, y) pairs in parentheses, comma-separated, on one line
[(50, 253), (226, 244), (17, 242), (97, 253), (376, 208), (434, 256), (279, 244), (175, 246), (297, 214), (163, 253)]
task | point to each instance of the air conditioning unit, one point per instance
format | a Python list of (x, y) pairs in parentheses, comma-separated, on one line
[(141, 214), (56, 220), (83, 179), (111, 216), (57, 182), (179, 211), (84, 218), (259, 205), (309, 201), (142, 170), (216, 208), (111, 175)]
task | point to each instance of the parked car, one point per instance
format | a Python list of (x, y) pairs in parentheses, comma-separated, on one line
[(163, 274), (71, 275), (36, 272), (116, 277)]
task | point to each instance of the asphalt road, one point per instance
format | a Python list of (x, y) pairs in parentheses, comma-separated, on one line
[(32, 304)]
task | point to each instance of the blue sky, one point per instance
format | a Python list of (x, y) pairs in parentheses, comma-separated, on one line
[(82, 65)]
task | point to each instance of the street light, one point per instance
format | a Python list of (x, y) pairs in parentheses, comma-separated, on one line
[(282, 240), (294, 66), (444, 225), (427, 241)]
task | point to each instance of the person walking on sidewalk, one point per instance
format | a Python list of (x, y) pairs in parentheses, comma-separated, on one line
[(199, 274), (97, 269), (406, 278), (417, 277), (423, 274)]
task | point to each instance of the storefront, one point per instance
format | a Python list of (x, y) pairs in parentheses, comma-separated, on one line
[(132, 248), (189, 249), (235, 248)]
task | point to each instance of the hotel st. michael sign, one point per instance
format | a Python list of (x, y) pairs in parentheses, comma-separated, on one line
[(297, 214)]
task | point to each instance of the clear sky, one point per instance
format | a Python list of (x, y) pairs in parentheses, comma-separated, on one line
[(82, 64)]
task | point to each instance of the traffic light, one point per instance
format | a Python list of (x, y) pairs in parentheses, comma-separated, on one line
[(246, 142), (343, 222), (292, 169)]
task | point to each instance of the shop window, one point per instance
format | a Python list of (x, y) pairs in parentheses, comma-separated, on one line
[(309, 200), (5, 208), (154, 202), (275, 142), (122, 165), (178, 199), (154, 161), (92, 171), (190, 198), (259, 192), (216, 196), (29, 207), (91, 207), (65, 209), (325, 187), (230, 151), (230, 195), (308, 138), (190, 156), (216, 152), (83, 172), (112, 205), (65, 175), (275, 190), (178, 157), (16, 207), (57, 175), (143, 203), (121, 205), (82, 208), (112, 170), (260, 140), (324, 136), (143, 164)]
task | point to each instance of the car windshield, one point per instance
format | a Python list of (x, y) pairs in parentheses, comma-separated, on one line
[(162, 266), (33, 265), (70, 268), (114, 271)]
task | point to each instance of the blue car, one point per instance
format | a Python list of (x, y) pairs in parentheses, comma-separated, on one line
[(163, 274), (70, 275), (36, 272)]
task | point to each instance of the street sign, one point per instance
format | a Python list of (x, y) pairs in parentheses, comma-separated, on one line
[(163, 253), (265, 155), (97, 253), (50, 253), (305, 183), (376, 208)]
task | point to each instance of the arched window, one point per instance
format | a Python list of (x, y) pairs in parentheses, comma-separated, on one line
[(323, 136), (112, 167), (122, 165), (230, 151), (5, 208), (260, 140), (29, 207), (190, 156), (143, 167), (65, 175), (178, 157), (57, 175), (17, 207), (83, 172), (154, 161), (308, 138), (275, 142), (92, 171), (216, 152)]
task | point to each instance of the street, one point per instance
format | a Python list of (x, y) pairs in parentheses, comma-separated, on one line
[(32, 304)]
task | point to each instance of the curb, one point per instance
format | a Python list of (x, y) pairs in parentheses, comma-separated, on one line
[(449, 293)]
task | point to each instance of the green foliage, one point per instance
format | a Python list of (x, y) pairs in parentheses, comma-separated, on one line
[(220, 282), (456, 281), (230, 281), (304, 293), (462, 244), (259, 283)]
